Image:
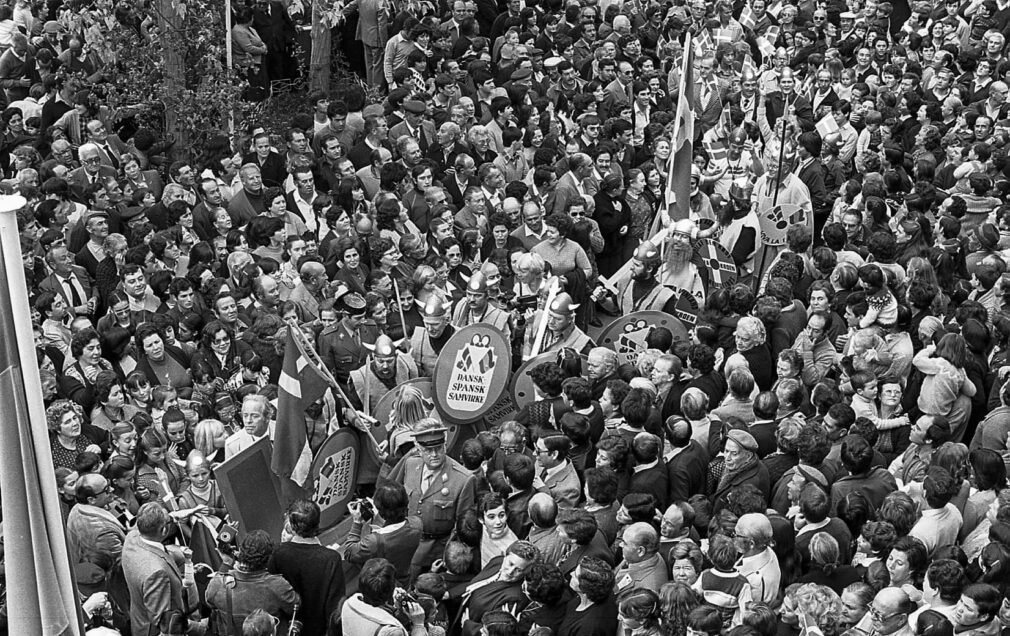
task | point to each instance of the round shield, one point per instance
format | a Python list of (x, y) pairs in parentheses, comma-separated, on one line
[(522, 384), (775, 222), (471, 373), (334, 474), (687, 308), (627, 334), (722, 270)]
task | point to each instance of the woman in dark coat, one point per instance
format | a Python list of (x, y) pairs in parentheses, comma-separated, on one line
[(613, 215)]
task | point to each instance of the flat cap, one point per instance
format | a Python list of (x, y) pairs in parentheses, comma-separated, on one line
[(414, 106), (743, 439)]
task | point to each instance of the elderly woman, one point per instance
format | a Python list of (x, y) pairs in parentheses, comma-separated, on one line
[(751, 344), (593, 611), (66, 437), (78, 379), (686, 562), (161, 363), (741, 466)]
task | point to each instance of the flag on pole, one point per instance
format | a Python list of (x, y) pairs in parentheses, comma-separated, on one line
[(678, 184), (301, 384), (747, 18), (717, 151), (41, 593)]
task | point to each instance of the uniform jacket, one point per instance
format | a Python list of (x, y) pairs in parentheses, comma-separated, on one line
[(340, 351), (452, 492)]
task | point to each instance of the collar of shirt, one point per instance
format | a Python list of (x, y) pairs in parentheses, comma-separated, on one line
[(556, 470), (813, 527), (642, 467)]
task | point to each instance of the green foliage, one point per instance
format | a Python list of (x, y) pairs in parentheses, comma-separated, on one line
[(174, 64)]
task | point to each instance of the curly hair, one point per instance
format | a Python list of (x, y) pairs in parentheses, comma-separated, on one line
[(812, 444), (752, 329), (596, 579), (820, 603), (255, 551), (676, 600), (56, 411)]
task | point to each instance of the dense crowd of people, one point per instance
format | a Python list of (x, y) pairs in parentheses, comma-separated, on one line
[(820, 450)]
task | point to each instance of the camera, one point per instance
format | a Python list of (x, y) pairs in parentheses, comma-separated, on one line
[(227, 540), (365, 508)]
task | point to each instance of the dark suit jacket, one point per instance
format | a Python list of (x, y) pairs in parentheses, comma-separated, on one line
[(427, 134), (272, 170), (652, 481), (455, 193), (812, 176), (776, 105), (764, 433), (52, 283), (828, 100), (597, 547), (78, 180), (686, 472)]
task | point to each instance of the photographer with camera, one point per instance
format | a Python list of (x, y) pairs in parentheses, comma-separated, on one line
[(376, 609), (234, 595), (397, 540)]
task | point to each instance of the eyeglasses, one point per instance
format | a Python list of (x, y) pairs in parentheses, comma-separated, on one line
[(878, 616)]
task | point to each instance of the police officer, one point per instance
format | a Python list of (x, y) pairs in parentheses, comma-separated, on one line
[(561, 331), (340, 345), (643, 292), (439, 490), (476, 308), (427, 341)]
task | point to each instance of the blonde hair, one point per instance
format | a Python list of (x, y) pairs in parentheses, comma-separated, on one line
[(204, 434), (409, 408)]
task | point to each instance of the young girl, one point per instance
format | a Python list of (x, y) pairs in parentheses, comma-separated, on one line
[(202, 492), (162, 399), (138, 390), (124, 440)]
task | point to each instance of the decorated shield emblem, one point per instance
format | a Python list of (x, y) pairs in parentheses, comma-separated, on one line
[(627, 334), (471, 373)]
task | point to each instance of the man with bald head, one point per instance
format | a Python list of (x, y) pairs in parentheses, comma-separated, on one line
[(247, 202), (91, 171), (531, 232), (266, 297), (675, 527), (601, 367), (889, 612), (642, 567), (758, 563), (308, 293), (95, 535), (543, 533)]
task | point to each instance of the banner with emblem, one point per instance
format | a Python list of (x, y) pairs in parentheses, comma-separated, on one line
[(627, 334), (471, 373), (776, 220)]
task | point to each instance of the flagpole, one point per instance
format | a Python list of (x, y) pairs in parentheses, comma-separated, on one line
[(682, 87), (42, 597)]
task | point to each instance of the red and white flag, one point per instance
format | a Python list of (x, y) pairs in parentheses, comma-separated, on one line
[(301, 384), (678, 185)]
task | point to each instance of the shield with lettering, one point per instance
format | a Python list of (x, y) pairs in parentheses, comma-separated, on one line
[(775, 222), (627, 334), (334, 473), (721, 268), (471, 373)]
